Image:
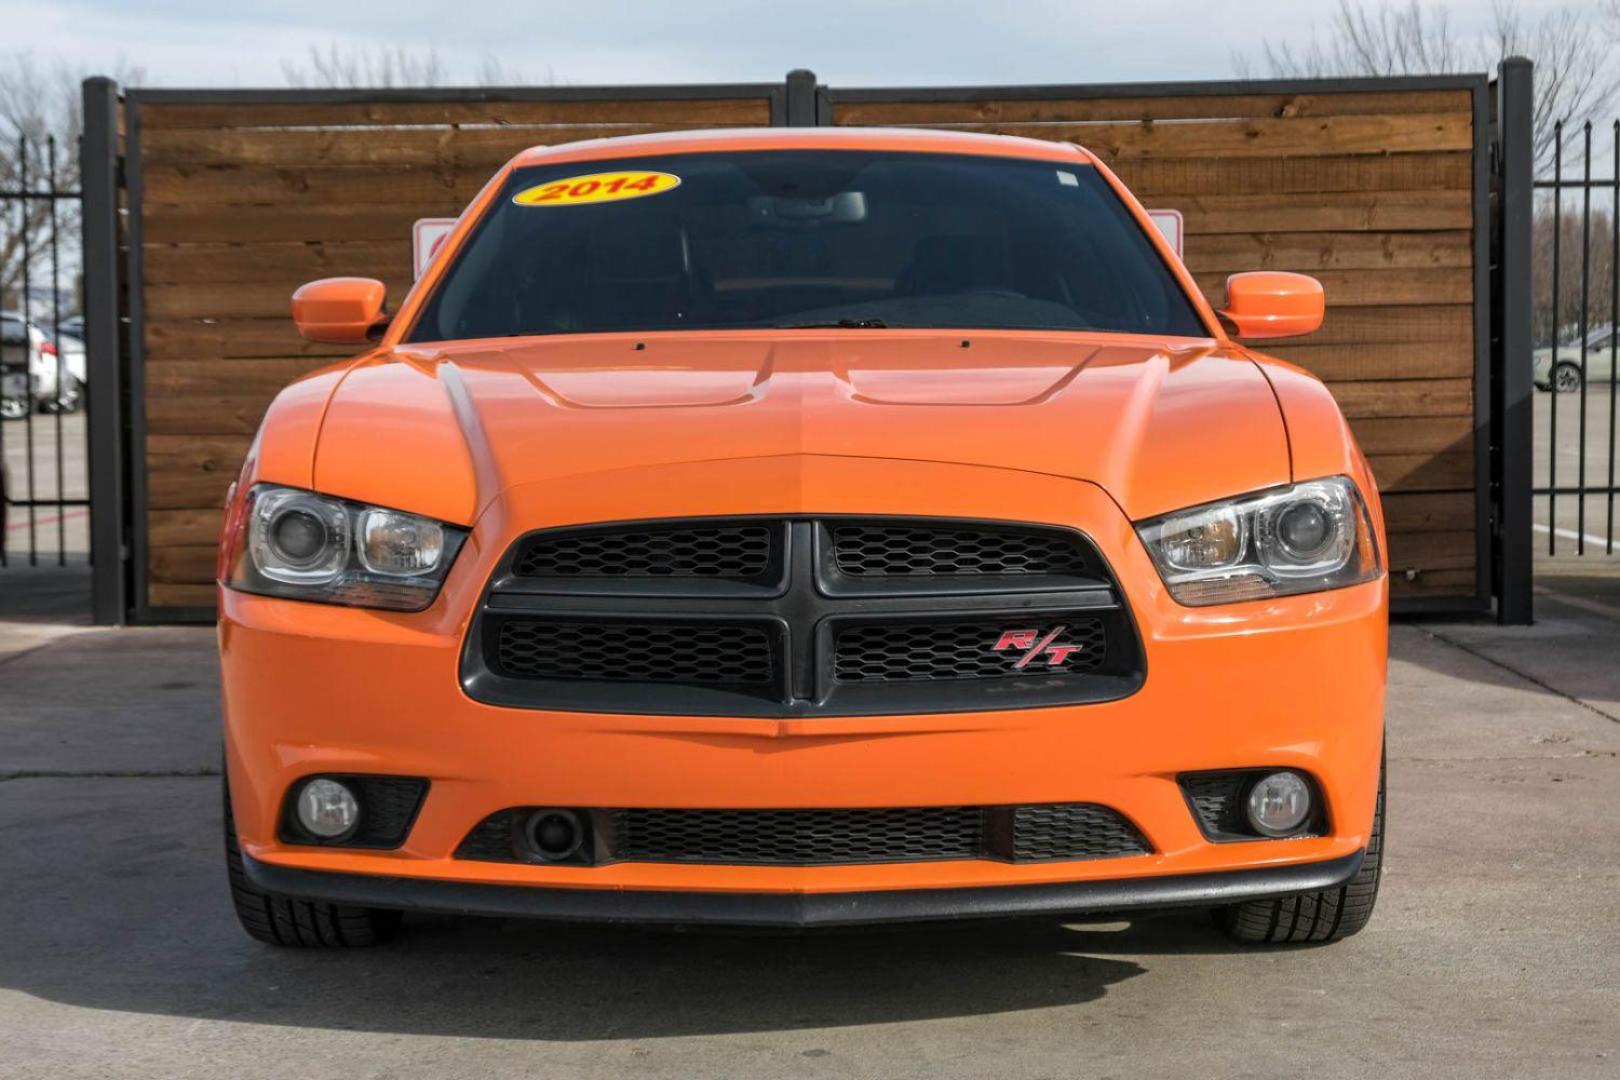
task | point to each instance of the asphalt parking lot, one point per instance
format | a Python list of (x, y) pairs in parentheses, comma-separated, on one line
[(1495, 951)]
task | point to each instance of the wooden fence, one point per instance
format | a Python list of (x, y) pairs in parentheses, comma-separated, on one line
[(1371, 191), (237, 198)]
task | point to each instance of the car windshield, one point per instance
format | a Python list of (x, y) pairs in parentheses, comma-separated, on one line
[(806, 238)]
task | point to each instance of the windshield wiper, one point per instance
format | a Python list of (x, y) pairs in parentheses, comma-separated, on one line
[(835, 324)]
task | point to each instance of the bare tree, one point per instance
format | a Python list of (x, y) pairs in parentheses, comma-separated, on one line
[(339, 66), (40, 123), (1384, 40), (1572, 47)]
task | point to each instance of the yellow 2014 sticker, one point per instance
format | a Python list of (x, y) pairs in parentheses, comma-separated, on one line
[(597, 187)]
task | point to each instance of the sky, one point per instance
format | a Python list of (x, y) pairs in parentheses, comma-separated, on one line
[(182, 43)]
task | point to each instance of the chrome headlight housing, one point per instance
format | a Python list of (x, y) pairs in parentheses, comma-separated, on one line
[(1308, 537), (303, 546)]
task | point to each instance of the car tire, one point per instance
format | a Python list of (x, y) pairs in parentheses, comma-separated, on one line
[(13, 409), (283, 920), (1566, 377), (71, 400), (1326, 915)]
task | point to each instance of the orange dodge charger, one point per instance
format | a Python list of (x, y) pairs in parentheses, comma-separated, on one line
[(792, 528)]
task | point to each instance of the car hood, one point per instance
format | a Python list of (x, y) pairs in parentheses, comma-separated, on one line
[(442, 429)]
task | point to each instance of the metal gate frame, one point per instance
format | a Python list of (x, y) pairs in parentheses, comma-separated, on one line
[(1501, 227)]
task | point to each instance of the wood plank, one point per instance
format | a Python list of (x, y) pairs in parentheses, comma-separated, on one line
[(1433, 584), (181, 564), (234, 300), (1410, 512), (1375, 288), (1452, 549), (192, 471), (485, 148), (179, 527), (184, 378), (276, 263), (1311, 252), (1409, 398), (1448, 323), (1368, 211), (1404, 435), (303, 221), (208, 339), (661, 111), (200, 185), (205, 414), (1008, 110), (1423, 472), (1254, 137), (160, 595), (1390, 360), (1152, 178)]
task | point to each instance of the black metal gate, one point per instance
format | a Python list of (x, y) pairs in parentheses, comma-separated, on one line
[(1577, 342), (43, 484)]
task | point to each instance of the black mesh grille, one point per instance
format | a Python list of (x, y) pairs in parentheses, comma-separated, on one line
[(722, 551), (652, 652), (800, 836), (1218, 802), (1073, 831), (388, 805), (902, 652), (491, 839), (913, 548)]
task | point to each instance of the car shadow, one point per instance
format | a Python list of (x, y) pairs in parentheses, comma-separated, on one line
[(116, 900)]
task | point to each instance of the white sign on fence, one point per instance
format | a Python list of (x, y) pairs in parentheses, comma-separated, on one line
[(427, 237), (1170, 224)]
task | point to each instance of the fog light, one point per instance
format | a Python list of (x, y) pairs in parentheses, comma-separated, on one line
[(327, 809), (1279, 803)]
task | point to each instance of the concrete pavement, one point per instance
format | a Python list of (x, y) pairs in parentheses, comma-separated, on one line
[(1495, 951)]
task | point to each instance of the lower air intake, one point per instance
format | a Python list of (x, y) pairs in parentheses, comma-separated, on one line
[(1033, 833)]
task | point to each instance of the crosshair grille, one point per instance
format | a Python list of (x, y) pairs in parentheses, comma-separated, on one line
[(788, 616)]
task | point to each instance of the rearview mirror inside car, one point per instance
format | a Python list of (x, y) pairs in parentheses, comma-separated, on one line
[(1273, 304), (341, 310)]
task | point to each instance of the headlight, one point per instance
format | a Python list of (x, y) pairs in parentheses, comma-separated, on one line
[(1304, 538), (305, 546)]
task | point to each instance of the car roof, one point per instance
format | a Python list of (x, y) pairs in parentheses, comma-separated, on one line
[(914, 140)]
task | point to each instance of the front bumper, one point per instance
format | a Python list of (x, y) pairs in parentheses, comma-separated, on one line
[(803, 910), (1291, 683)]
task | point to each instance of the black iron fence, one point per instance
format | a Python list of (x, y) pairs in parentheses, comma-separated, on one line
[(43, 492), (1577, 340)]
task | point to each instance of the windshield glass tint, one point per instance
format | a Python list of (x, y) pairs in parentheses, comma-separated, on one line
[(796, 238)]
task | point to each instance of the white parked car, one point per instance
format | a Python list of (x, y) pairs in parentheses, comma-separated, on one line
[(33, 370), (1561, 371)]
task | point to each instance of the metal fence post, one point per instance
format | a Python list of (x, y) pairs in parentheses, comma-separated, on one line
[(801, 98), (103, 352), (1512, 393)]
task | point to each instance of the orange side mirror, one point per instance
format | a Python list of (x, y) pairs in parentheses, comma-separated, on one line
[(341, 310), (1273, 304)]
